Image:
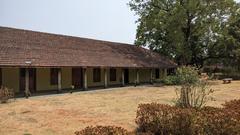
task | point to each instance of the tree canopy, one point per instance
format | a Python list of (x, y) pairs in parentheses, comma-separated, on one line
[(189, 31)]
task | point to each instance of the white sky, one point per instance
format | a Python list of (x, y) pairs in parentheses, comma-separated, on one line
[(109, 20)]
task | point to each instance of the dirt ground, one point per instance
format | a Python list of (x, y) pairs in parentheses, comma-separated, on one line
[(64, 114)]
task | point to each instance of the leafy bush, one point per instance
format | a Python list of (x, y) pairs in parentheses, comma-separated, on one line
[(193, 95), (6, 94), (184, 75), (161, 119), (232, 105), (220, 121), (102, 130), (165, 120), (158, 81), (171, 80)]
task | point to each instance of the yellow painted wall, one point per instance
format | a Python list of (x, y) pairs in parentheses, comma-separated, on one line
[(10, 78), (163, 73), (43, 79), (118, 77), (90, 78), (132, 75), (66, 78), (145, 75)]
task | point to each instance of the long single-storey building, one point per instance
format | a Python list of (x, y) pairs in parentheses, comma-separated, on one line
[(36, 62)]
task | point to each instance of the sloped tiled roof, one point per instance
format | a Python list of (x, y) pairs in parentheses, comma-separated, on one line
[(51, 50)]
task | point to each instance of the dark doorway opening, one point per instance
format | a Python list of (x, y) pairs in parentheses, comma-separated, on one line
[(77, 78), (126, 76), (32, 80), (157, 73)]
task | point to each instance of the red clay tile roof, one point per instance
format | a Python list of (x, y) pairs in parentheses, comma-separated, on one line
[(51, 50)]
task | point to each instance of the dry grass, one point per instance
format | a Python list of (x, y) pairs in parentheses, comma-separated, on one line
[(64, 114)]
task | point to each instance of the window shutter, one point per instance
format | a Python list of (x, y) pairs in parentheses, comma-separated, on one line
[(96, 75), (54, 76), (113, 74)]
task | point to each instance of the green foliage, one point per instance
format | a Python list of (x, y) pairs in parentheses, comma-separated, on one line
[(171, 80), (187, 75), (188, 31), (167, 120), (102, 130), (184, 75)]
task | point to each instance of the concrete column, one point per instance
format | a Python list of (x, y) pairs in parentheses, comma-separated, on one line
[(59, 79), (85, 78), (137, 76), (105, 78), (27, 91), (165, 72), (123, 81), (151, 79)]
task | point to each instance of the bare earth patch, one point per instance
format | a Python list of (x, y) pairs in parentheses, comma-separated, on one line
[(66, 113)]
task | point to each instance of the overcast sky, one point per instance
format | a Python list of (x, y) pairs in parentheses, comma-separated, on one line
[(109, 20)]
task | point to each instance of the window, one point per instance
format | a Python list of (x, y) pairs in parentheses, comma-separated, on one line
[(0, 77), (171, 71), (96, 75), (54, 76), (113, 74), (157, 73)]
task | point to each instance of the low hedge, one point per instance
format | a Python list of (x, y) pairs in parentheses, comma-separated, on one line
[(220, 121), (102, 130), (161, 119)]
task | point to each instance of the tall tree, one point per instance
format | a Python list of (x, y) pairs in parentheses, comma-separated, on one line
[(187, 31), (233, 39)]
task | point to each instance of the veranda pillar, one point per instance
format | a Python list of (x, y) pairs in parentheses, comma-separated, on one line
[(123, 78), (105, 78), (85, 86), (27, 90), (59, 80)]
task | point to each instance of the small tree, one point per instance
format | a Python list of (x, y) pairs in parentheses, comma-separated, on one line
[(193, 93)]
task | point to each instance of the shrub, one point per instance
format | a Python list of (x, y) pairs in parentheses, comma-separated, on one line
[(165, 120), (232, 105), (194, 92), (193, 95), (220, 121), (6, 94), (161, 119), (102, 130), (184, 75), (171, 80)]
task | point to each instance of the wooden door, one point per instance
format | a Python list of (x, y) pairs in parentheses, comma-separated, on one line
[(126, 76), (77, 78), (32, 80)]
